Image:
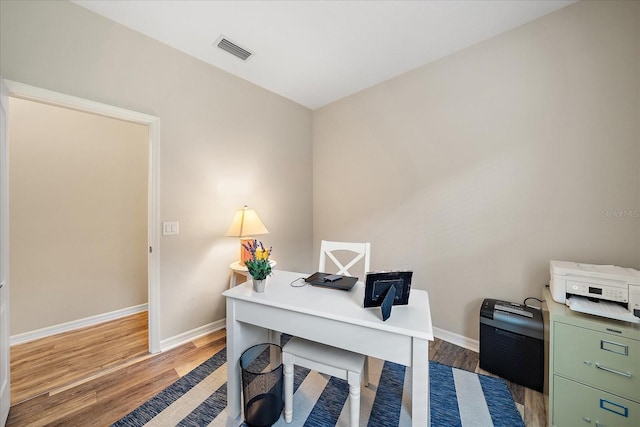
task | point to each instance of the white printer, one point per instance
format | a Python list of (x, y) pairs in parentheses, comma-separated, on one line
[(602, 290)]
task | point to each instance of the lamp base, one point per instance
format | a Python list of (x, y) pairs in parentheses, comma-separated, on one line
[(245, 255)]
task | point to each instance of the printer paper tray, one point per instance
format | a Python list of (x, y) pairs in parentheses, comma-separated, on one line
[(601, 308)]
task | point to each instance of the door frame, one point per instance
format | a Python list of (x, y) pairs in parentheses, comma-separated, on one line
[(5, 365), (32, 93)]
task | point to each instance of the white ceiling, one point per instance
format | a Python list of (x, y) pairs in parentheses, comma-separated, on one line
[(316, 52)]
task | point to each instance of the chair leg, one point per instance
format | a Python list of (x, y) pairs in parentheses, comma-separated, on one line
[(354, 404), (354, 379), (288, 387)]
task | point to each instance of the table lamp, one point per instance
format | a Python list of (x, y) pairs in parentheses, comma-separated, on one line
[(246, 224)]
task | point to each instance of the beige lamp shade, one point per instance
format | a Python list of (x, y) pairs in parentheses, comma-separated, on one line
[(246, 224)]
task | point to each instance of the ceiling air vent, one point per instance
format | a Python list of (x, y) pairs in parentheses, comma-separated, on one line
[(232, 48)]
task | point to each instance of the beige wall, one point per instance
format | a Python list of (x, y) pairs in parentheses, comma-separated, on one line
[(476, 170), (78, 209), (224, 143)]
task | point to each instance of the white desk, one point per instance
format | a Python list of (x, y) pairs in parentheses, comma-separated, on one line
[(331, 317)]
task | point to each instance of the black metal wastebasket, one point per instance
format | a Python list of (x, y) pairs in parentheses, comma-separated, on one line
[(261, 367)]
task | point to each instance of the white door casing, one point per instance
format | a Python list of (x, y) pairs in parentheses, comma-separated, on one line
[(23, 91), (5, 383)]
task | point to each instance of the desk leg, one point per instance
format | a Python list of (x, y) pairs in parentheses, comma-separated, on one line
[(420, 411), (240, 336), (275, 337)]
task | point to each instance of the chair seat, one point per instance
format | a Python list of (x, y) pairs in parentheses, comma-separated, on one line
[(319, 354), (329, 360)]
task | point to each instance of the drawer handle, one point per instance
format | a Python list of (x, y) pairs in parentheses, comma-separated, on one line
[(613, 371), (587, 419)]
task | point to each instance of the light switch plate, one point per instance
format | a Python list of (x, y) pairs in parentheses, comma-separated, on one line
[(170, 228)]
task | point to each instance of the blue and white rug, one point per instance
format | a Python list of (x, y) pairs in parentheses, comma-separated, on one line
[(458, 399)]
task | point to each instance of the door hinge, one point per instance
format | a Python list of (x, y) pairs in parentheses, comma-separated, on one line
[(150, 250)]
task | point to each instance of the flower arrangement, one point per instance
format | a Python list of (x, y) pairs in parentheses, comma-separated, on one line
[(258, 265)]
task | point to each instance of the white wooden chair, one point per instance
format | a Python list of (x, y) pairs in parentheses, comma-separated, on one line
[(329, 360), (333, 361), (353, 252), (360, 251)]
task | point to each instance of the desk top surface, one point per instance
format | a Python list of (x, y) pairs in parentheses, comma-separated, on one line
[(413, 319)]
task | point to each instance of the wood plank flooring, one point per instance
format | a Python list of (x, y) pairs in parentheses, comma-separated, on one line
[(55, 384), (53, 362)]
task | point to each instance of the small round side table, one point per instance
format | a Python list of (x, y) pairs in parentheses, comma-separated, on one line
[(240, 270)]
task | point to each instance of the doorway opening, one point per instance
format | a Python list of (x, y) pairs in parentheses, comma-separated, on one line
[(151, 124)]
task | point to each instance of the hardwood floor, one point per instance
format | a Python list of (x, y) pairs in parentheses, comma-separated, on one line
[(109, 391), (63, 381), (44, 365)]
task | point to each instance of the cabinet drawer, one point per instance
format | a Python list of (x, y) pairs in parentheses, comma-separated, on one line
[(575, 405), (602, 360)]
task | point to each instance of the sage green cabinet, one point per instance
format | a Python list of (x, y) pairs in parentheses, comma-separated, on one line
[(580, 405), (593, 369)]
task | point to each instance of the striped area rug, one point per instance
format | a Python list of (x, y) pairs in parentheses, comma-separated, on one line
[(458, 398)]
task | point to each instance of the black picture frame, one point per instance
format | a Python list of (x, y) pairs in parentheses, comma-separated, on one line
[(377, 286)]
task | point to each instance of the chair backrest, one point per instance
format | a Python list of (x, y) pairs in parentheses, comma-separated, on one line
[(359, 250)]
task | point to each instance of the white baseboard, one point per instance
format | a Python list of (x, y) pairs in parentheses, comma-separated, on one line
[(457, 339), (76, 324), (175, 341)]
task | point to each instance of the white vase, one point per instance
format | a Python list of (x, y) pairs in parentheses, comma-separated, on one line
[(258, 285)]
